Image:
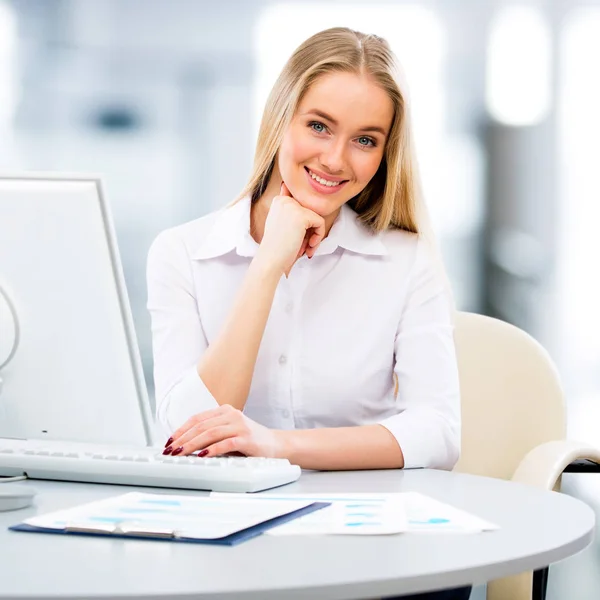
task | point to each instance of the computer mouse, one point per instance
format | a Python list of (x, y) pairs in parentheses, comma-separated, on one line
[(13, 496)]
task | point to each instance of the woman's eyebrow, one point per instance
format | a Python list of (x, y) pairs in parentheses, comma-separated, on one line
[(320, 113)]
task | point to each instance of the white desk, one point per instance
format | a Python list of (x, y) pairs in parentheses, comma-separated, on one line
[(537, 529)]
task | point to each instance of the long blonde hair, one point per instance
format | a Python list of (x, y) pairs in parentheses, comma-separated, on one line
[(392, 199)]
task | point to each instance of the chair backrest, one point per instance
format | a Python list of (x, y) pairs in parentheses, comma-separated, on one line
[(511, 395)]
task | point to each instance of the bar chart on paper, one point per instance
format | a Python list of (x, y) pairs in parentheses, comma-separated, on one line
[(377, 514)]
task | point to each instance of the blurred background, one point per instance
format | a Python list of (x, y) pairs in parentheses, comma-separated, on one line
[(163, 99)]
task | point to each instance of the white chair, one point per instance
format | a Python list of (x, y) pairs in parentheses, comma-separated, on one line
[(513, 420)]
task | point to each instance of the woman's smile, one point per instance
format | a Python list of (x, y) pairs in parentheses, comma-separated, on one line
[(324, 184)]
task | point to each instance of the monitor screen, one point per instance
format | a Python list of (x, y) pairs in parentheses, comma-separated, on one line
[(76, 373)]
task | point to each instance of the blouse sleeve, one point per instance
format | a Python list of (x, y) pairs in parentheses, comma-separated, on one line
[(178, 340), (427, 426)]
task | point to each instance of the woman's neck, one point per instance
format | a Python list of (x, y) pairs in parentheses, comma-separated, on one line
[(260, 208)]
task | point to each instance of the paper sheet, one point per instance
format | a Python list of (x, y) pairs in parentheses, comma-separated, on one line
[(376, 514), (185, 516), (428, 515)]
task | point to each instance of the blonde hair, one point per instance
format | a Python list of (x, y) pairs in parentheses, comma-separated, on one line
[(392, 199)]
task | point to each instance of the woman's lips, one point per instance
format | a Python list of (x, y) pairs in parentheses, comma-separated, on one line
[(321, 188)]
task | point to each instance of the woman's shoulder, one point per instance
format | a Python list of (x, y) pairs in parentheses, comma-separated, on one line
[(188, 236), (411, 252), (400, 244)]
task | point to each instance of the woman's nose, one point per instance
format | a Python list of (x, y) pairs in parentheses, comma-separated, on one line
[(334, 160)]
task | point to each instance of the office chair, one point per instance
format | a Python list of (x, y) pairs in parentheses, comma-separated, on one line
[(513, 422)]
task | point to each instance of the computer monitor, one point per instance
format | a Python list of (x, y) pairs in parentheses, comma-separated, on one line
[(76, 374)]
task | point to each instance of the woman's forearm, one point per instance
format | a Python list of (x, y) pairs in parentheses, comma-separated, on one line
[(342, 448), (227, 366)]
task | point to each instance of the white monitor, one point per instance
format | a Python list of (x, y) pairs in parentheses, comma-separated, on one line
[(72, 369)]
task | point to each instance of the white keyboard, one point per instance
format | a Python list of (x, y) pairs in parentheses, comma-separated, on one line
[(142, 467)]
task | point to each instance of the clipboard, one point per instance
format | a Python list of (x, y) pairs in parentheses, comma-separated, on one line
[(166, 517)]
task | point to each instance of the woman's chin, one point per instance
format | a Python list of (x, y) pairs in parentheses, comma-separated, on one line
[(322, 206)]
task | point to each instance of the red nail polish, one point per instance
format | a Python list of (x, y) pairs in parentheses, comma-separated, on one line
[(177, 451), (169, 442), (203, 453), (168, 450)]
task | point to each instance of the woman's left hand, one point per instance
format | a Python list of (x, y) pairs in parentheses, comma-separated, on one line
[(224, 430)]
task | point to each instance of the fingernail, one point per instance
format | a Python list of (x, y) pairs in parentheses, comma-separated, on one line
[(168, 450), (169, 442), (203, 453), (177, 451)]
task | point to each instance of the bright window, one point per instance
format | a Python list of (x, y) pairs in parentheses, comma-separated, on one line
[(579, 207), (518, 88)]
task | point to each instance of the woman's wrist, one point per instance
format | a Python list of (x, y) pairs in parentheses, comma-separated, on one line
[(266, 265), (283, 444)]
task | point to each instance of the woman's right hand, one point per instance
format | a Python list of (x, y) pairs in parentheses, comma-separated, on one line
[(290, 231)]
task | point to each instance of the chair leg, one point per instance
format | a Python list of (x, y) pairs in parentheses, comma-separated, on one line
[(540, 584)]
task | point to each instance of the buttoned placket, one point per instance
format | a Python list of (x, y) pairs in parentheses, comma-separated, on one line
[(292, 290)]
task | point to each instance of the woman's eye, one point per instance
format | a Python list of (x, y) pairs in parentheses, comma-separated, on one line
[(318, 127), (366, 141)]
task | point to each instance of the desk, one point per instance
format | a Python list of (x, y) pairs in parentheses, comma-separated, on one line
[(537, 529)]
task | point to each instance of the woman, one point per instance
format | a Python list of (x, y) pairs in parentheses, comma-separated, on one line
[(310, 319)]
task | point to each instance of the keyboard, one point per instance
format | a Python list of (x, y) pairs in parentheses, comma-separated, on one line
[(142, 467)]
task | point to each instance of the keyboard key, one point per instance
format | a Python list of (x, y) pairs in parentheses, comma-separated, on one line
[(168, 459)]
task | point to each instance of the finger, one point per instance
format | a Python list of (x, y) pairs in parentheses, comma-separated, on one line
[(317, 223), (192, 421), (285, 191), (303, 247), (314, 240), (198, 428), (231, 444), (207, 438), (311, 249)]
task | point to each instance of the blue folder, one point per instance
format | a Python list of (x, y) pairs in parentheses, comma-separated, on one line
[(230, 540)]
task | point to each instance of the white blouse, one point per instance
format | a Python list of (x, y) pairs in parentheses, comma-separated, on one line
[(360, 334)]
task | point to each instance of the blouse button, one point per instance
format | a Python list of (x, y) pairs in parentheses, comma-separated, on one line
[(282, 359), (285, 414)]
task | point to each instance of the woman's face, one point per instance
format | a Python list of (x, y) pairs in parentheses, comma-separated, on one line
[(335, 142)]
